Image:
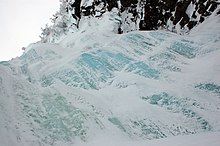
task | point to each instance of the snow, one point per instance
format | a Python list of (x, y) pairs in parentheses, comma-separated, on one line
[(205, 139), (119, 4), (190, 9), (86, 3), (96, 87)]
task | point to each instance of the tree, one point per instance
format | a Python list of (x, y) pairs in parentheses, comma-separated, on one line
[(63, 21)]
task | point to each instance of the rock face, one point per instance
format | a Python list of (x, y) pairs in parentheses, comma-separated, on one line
[(175, 15)]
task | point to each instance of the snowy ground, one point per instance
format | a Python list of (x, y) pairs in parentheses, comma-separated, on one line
[(205, 139)]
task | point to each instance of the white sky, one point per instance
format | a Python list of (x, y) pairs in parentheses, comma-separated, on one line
[(21, 22)]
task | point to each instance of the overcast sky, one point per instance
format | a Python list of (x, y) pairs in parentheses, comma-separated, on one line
[(20, 23)]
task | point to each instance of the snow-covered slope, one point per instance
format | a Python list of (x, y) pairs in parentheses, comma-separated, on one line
[(204, 139), (97, 85)]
